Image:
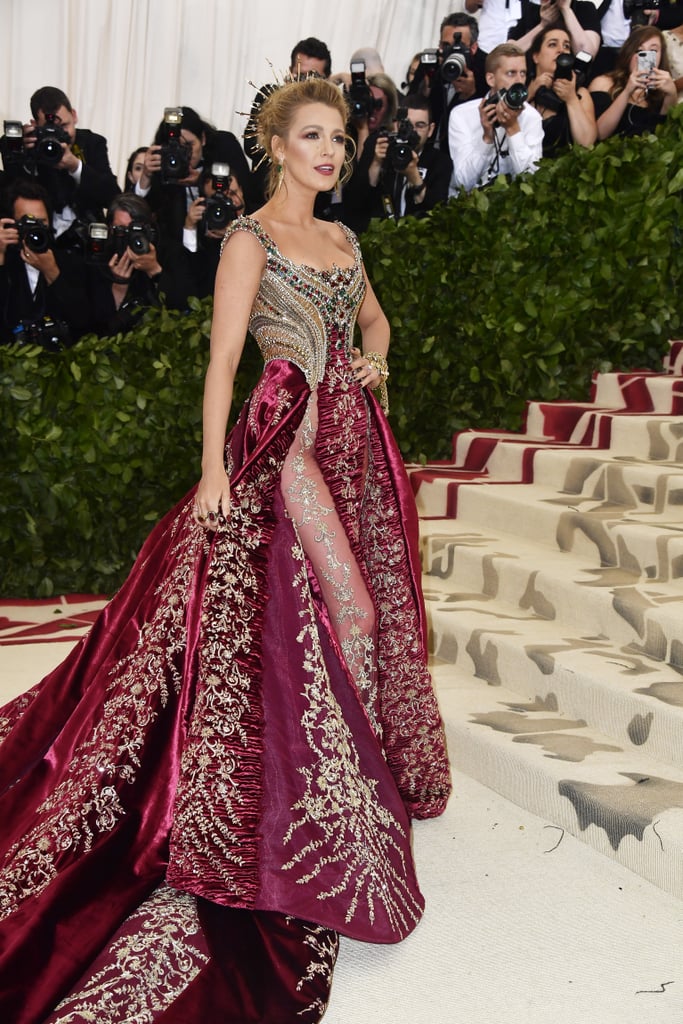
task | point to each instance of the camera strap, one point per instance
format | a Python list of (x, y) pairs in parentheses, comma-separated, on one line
[(493, 169)]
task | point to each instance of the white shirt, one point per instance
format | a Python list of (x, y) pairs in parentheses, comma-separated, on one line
[(496, 18), (474, 161), (614, 27)]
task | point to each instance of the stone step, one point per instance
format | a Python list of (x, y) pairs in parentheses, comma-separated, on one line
[(614, 688), (633, 483), (647, 391), (600, 533), (641, 436), (462, 562), (623, 802)]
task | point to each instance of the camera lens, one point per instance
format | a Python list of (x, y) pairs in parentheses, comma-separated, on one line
[(515, 96), (139, 244), (49, 151), (564, 66), (453, 67)]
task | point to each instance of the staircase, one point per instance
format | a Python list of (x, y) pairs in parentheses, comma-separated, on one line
[(553, 564)]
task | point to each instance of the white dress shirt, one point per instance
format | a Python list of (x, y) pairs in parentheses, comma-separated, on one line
[(475, 162)]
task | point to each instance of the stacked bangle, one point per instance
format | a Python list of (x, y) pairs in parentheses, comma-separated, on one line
[(379, 363)]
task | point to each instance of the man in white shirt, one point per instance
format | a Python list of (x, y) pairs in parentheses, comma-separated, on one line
[(499, 134)]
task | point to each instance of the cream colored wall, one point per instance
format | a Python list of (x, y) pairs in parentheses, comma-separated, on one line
[(122, 61)]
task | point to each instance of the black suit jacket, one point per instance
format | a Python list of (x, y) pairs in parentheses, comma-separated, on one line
[(66, 299), (362, 201), (97, 186), (169, 202)]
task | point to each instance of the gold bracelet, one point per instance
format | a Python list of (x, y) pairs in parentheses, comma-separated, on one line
[(379, 363)]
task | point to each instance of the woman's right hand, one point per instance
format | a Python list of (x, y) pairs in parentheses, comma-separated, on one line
[(151, 164), (195, 212), (544, 79), (121, 267), (212, 500), (637, 82)]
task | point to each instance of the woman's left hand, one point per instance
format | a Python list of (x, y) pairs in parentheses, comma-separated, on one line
[(662, 80), (565, 88), (364, 372)]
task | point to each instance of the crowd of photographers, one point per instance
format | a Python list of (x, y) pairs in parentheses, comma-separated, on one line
[(521, 80)]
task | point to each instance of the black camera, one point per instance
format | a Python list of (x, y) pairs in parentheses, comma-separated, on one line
[(12, 143), (35, 235), (426, 70), (49, 138), (97, 248), (137, 236), (102, 242), (219, 209), (634, 11), (566, 65), (175, 154), (402, 143), (52, 335), (456, 59), (514, 97), (360, 99)]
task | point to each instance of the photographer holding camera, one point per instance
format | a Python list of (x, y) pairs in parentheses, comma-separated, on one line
[(558, 94), (71, 164), (184, 146), (452, 74), (400, 173), (373, 105), (220, 201), (131, 269), (500, 134), (43, 299)]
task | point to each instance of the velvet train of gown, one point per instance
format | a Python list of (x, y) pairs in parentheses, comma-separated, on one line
[(221, 774)]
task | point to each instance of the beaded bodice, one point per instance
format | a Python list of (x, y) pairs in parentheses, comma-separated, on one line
[(299, 312)]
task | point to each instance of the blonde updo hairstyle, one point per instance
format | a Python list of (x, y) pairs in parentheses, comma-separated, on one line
[(279, 109)]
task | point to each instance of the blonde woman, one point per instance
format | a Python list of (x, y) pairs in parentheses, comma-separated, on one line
[(220, 778)]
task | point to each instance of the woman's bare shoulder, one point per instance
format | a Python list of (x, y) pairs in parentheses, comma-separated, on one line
[(603, 83)]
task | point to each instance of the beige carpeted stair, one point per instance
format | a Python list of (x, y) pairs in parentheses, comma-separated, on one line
[(554, 582)]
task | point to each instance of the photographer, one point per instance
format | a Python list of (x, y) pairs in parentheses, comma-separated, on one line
[(133, 271), (309, 56), (565, 105), (43, 299), (373, 105), (581, 18), (184, 146), (71, 164), (635, 98), (134, 168), (500, 134), (453, 74), (400, 173), (221, 200)]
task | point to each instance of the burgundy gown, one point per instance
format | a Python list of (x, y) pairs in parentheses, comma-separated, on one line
[(219, 778)]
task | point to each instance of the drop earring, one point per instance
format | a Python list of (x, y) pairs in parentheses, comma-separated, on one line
[(280, 176)]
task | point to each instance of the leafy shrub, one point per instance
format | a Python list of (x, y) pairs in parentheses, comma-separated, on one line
[(523, 290), (98, 442), (517, 292)]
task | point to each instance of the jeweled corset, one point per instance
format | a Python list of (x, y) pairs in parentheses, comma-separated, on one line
[(299, 312)]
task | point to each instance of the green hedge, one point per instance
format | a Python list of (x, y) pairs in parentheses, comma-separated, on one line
[(98, 442), (517, 292), (522, 291)]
